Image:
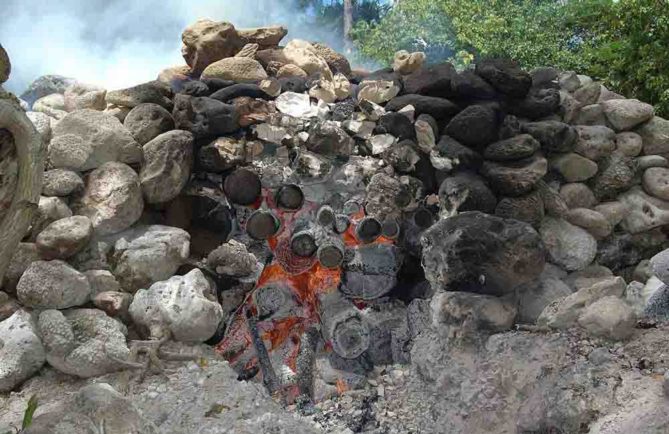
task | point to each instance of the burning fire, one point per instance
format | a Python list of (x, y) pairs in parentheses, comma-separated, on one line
[(300, 283)]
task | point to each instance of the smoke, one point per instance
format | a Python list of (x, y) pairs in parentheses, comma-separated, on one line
[(120, 43)]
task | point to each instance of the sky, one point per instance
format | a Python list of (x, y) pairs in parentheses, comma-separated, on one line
[(120, 43)]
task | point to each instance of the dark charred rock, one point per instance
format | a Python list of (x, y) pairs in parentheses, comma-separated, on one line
[(195, 88), (554, 136), (439, 108), (216, 84), (396, 124), (463, 156), (403, 156), (469, 86), (343, 110), (515, 178), (204, 117), (506, 76), (202, 211), (432, 80), (237, 90), (528, 208), (154, 92), (466, 191), (476, 127), (510, 127), (293, 84), (622, 250), (515, 148), (477, 252), (615, 175), (543, 77), (326, 138), (538, 104)]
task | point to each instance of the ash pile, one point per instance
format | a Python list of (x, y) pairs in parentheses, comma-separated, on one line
[(309, 221)]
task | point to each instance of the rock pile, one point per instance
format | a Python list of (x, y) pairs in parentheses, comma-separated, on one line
[(311, 221)]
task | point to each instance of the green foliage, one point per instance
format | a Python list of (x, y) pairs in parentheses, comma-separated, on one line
[(623, 42), (30, 411)]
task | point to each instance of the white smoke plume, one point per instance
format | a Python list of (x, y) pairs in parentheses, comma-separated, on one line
[(120, 43)]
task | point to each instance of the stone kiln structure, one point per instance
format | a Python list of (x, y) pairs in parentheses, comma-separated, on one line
[(310, 222)]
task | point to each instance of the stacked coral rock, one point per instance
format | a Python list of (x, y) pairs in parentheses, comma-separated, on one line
[(519, 197)]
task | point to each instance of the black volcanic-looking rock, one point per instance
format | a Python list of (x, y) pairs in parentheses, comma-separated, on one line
[(477, 252), (440, 109), (204, 117), (476, 126), (432, 80), (237, 90), (396, 124), (515, 148), (554, 136), (468, 85), (468, 192), (506, 76)]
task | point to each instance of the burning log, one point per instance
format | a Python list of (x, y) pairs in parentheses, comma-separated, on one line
[(368, 229), (290, 197), (390, 229), (372, 272), (262, 225), (274, 300), (331, 252), (303, 240), (343, 326), (326, 216)]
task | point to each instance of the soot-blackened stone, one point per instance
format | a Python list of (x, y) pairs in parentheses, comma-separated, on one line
[(432, 80), (204, 117), (476, 127), (396, 124), (616, 174), (439, 108), (467, 85), (238, 90), (528, 208), (477, 252), (195, 88), (466, 157), (506, 76), (343, 110), (293, 84), (466, 191), (515, 178), (554, 136), (515, 148), (216, 84), (538, 104), (510, 127)]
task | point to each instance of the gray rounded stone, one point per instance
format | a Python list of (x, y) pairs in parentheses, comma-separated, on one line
[(21, 351), (656, 182), (147, 121), (167, 165), (61, 182), (52, 285), (64, 238), (112, 198), (578, 195), (568, 246), (574, 168)]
